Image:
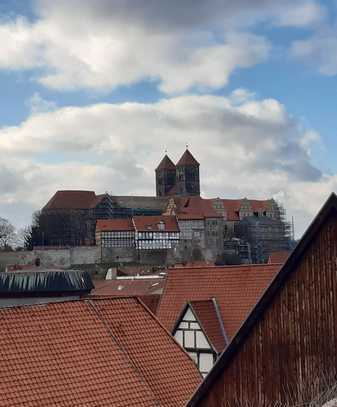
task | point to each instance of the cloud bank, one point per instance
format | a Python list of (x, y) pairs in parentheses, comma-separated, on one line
[(246, 147), (81, 44)]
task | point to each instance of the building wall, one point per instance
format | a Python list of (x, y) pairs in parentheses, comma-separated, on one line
[(63, 258), (214, 235), (290, 354)]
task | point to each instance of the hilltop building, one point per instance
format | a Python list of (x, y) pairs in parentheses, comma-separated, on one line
[(182, 179), (229, 231)]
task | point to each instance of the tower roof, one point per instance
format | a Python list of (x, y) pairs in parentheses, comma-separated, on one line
[(166, 164), (187, 159)]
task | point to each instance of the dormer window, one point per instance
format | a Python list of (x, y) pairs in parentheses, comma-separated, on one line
[(190, 334)]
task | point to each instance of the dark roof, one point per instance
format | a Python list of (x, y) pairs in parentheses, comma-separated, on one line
[(122, 224), (187, 159), (329, 208), (235, 288), (43, 282), (97, 352), (141, 202), (166, 164), (74, 200), (150, 223)]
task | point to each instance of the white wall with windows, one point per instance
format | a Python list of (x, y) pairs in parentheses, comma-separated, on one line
[(156, 240)]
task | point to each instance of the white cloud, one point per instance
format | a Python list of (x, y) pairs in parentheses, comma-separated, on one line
[(320, 50), (246, 148), (181, 45), (302, 14)]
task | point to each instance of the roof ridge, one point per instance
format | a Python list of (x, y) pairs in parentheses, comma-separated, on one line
[(121, 347), (229, 266)]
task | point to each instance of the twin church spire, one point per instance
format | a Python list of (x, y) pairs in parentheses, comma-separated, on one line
[(181, 179)]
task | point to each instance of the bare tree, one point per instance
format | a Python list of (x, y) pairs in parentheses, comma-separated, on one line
[(7, 234)]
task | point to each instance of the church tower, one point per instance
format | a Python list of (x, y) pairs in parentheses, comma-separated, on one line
[(165, 176), (187, 175)]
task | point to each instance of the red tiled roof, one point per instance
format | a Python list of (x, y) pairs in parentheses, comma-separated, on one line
[(74, 200), (151, 301), (166, 164), (167, 370), (150, 223), (206, 313), (187, 159), (194, 208), (278, 257), (235, 288), (109, 352), (107, 225), (233, 206), (126, 287)]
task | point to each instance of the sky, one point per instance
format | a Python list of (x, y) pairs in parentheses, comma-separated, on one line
[(92, 94)]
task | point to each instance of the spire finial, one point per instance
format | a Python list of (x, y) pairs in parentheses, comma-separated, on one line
[(186, 146)]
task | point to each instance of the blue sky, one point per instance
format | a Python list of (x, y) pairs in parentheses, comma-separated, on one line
[(92, 96)]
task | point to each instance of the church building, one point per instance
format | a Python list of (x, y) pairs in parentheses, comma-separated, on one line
[(181, 179)]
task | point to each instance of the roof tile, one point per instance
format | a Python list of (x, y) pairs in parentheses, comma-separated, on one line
[(150, 223), (91, 353), (235, 288), (74, 200)]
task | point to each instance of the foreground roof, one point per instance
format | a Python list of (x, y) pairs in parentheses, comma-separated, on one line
[(110, 352), (235, 288), (45, 282), (274, 291), (74, 200)]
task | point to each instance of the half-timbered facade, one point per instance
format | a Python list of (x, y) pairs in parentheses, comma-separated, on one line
[(199, 330), (115, 233), (156, 232), (140, 232)]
